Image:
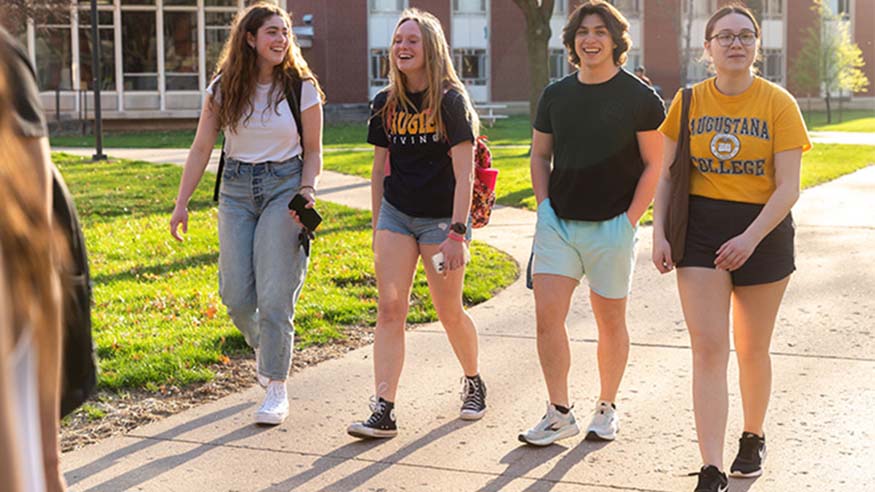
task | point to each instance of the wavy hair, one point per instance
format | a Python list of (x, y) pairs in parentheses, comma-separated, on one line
[(614, 20), (27, 244), (440, 73), (239, 68)]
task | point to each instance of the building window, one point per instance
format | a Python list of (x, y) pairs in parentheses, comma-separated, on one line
[(106, 35), (560, 7), (633, 59), (180, 51), (220, 3), (773, 9), (54, 53), (559, 66), (471, 65), (379, 67), (386, 5), (702, 9), (772, 67), (469, 6), (139, 50), (629, 8), (216, 31), (697, 69)]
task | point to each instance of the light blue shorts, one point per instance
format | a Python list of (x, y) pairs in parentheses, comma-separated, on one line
[(426, 230), (603, 251)]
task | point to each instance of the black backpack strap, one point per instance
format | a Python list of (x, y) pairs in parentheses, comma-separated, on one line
[(293, 96), (219, 173)]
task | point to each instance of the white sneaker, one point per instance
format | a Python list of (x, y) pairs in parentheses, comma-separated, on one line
[(554, 426), (263, 381), (275, 407), (605, 423)]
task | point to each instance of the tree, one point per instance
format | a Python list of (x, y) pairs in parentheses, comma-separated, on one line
[(15, 13), (538, 14), (829, 61)]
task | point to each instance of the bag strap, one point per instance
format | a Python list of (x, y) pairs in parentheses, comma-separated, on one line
[(293, 96), (686, 97)]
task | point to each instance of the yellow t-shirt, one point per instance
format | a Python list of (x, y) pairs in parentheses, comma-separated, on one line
[(734, 139)]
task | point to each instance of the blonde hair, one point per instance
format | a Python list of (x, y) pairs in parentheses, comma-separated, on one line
[(439, 70), (239, 69)]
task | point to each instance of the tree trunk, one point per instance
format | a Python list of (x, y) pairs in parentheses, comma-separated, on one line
[(828, 110), (537, 42)]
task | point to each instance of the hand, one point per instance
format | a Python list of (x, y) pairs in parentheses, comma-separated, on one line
[(735, 252), (661, 255), (180, 216), (308, 195), (454, 254)]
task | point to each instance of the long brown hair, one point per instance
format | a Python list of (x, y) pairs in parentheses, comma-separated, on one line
[(239, 69), (614, 20), (439, 70), (26, 239), (733, 8)]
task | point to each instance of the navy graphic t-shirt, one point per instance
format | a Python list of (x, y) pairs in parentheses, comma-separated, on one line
[(421, 182)]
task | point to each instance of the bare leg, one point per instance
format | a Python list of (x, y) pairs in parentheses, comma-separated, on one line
[(395, 257), (613, 347), (446, 295), (552, 301), (754, 309), (705, 296)]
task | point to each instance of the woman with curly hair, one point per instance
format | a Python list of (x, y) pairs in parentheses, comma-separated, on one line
[(263, 254)]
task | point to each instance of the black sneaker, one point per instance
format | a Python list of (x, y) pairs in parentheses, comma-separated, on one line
[(751, 453), (473, 398), (711, 480), (381, 424)]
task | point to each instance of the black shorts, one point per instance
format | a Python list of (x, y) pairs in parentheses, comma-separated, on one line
[(713, 222)]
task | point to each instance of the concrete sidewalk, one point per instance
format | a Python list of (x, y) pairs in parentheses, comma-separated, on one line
[(820, 426)]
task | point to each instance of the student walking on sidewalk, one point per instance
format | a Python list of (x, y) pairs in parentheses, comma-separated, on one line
[(597, 127), (425, 122), (747, 137), (263, 254)]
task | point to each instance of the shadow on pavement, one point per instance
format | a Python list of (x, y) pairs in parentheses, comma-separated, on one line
[(524, 459), (325, 463), (75, 476), (563, 466), (352, 482), (132, 478), (741, 484)]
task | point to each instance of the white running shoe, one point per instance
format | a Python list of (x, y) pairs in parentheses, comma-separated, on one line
[(554, 426), (263, 381), (605, 423), (275, 407)]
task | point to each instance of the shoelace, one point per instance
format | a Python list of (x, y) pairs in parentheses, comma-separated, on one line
[(274, 396), (378, 408), (471, 395)]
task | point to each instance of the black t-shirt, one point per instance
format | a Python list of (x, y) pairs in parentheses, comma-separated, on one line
[(596, 160), (421, 182), (28, 118)]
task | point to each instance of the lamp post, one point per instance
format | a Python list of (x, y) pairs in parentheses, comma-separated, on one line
[(95, 84)]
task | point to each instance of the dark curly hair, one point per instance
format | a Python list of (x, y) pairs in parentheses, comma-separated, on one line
[(616, 23)]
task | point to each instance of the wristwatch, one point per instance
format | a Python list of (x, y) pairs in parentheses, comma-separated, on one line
[(459, 228)]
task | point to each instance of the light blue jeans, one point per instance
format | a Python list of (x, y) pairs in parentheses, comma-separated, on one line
[(262, 263)]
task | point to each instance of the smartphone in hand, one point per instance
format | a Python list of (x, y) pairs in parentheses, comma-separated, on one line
[(309, 216)]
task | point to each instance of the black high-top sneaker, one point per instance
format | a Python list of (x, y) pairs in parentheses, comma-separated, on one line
[(711, 480), (751, 454), (473, 398), (381, 423)]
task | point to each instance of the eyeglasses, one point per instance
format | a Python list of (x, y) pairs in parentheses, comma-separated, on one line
[(725, 39)]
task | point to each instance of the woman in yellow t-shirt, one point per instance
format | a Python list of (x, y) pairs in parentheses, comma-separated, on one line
[(747, 138)]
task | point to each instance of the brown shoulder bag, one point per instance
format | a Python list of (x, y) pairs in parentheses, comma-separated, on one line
[(679, 198)]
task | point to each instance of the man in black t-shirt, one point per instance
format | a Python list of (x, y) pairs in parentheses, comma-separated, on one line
[(598, 127)]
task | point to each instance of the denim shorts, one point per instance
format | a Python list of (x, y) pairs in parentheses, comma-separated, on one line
[(426, 230), (603, 251)]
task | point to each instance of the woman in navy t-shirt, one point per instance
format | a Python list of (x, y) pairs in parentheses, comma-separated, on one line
[(421, 208)]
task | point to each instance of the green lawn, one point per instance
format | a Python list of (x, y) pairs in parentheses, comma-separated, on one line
[(158, 318), (855, 120)]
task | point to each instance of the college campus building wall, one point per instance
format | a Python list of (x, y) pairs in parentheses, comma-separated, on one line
[(158, 55)]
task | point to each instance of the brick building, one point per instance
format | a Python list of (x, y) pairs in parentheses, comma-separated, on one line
[(157, 55)]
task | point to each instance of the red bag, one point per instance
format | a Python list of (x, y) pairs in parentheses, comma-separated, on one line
[(485, 177)]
